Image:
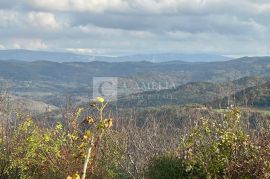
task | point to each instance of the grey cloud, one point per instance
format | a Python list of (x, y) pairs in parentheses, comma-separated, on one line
[(130, 26), (8, 4), (223, 24)]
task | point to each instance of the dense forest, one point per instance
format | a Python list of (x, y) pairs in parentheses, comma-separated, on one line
[(216, 126)]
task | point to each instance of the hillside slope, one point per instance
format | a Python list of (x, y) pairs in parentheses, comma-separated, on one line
[(256, 96), (190, 93)]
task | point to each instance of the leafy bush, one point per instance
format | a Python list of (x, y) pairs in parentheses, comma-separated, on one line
[(83, 144), (225, 150), (31, 151), (170, 167)]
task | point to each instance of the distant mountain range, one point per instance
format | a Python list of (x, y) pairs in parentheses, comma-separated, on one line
[(165, 57), (178, 72), (28, 55)]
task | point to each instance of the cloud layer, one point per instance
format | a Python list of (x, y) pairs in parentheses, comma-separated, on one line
[(117, 27)]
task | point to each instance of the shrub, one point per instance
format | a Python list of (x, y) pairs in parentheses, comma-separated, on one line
[(31, 151), (225, 150), (171, 167)]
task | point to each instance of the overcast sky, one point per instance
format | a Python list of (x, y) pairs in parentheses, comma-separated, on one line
[(120, 27)]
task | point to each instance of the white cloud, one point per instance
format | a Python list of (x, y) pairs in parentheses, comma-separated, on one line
[(81, 50), (9, 18), (88, 51), (30, 44), (40, 20), (43, 20), (2, 46)]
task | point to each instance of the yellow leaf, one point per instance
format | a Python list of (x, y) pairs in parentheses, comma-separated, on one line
[(88, 133), (74, 176), (82, 145), (89, 120), (46, 137), (100, 99), (108, 123)]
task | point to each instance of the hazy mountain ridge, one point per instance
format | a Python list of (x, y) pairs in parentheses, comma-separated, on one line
[(77, 72), (29, 55)]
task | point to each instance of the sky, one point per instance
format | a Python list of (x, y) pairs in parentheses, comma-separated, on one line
[(121, 27)]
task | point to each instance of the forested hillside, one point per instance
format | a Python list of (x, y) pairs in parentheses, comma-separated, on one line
[(46, 81), (206, 125), (193, 93), (255, 96)]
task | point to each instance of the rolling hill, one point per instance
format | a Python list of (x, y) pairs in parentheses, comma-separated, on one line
[(190, 93), (181, 72), (256, 96), (46, 81)]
